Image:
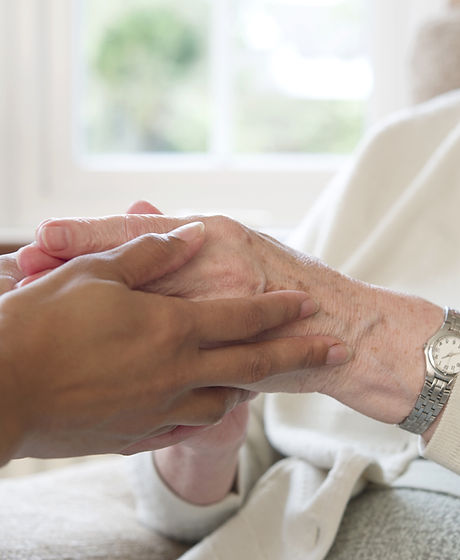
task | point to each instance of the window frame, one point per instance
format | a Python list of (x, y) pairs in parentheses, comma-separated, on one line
[(36, 127)]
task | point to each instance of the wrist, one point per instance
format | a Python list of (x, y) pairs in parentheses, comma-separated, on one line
[(201, 478), (407, 324), (386, 330)]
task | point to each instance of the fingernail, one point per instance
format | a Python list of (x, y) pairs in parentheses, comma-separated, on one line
[(247, 396), (189, 232), (338, 354), (54, 238), (308, 307)]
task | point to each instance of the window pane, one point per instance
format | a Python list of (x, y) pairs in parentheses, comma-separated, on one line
[(144, 76), (303, 75)]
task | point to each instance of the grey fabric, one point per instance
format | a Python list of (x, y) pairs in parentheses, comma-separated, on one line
[(399, 524), (86, 512), (426, 475)]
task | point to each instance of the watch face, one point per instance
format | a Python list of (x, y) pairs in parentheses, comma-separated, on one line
[(446, 354)]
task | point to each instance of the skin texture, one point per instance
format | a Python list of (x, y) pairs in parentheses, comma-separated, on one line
[(237, 261), (386, 331), (92, 364)]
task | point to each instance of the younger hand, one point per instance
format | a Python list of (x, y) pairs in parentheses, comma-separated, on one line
[(91, 364), (375, 382)]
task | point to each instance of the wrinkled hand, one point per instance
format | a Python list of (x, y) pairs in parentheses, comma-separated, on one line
[(10, 274), (202, 469), (234, 261), (225, 267), (95, 365), (386, 373)]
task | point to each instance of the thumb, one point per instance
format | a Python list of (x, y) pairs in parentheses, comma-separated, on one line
[(151, 256)]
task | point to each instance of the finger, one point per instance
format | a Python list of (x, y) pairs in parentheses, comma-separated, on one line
[(246, 364), (31, 259), (70, 237), (10, 274), (242, 318), (176, 435), (196, 411), (143, 207), (149, 257), (32, 278), (206, 406)]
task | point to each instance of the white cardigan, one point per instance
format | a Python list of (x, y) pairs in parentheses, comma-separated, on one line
[(391, 218)]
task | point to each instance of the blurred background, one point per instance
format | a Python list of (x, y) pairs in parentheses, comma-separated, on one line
[(246, 107), (298, 79), (242, 107)]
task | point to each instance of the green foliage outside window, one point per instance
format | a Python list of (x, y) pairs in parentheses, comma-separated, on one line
[(146, 82)]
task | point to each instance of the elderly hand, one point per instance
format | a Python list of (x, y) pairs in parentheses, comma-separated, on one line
[(10, 274), (91, 364), (386, 330), (202, 469)]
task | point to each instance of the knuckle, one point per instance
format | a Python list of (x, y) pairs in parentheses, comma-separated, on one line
[(259, 366), (220, 220), (314, 354), (95, 263), (177, 332), (226, 225), (161, 245), (169, 336), (135, 225), (308, 357), (186, 324), (144, 245), (132, 226), (180, 329)]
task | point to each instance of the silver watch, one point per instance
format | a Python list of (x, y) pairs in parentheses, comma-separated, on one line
[(442, 355)]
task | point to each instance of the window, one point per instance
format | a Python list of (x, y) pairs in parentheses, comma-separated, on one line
[(242, 106), (144, 74), (228, 77)]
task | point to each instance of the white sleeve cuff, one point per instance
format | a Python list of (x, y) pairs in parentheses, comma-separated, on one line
[(160, 508), (163, 510)]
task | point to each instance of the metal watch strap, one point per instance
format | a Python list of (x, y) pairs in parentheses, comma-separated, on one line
[(435, 392), (429, 404)]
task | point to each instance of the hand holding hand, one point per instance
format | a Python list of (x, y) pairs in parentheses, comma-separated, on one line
[(386, 373), (94, 365)]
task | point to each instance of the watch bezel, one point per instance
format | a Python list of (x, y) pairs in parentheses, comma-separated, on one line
[(429, 353), (438, 385)]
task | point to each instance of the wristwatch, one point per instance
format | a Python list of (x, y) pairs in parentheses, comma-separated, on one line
[(442, 355)]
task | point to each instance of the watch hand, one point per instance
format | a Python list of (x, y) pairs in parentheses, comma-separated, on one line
[(446, 356), (450, 355)]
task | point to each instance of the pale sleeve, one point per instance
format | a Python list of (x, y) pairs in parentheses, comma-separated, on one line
[(161, 509), (444, 446)]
